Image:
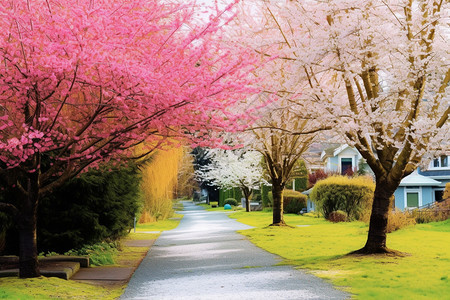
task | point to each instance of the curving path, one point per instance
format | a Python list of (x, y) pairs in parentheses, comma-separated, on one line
[(204, 258)]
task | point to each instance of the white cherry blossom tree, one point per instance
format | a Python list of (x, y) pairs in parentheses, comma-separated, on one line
[(234, 168)]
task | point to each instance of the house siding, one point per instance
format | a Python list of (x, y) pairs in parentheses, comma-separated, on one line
[(427, 195), (399, 195), (333, 164)]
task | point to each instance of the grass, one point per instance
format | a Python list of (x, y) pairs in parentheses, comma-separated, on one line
[(49, 288), (163, 225), (322, 247), (209, 208)]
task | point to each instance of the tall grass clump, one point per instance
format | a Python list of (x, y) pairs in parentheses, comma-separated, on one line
[(353, 196), (159, 182)]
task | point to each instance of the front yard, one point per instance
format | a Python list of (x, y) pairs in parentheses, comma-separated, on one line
[(322, 246)]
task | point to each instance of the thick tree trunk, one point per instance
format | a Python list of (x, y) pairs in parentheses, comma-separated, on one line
[(376, 239), (28, 262), (277, 193)]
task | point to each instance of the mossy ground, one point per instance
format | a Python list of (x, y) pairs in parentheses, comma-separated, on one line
[(322, 247)]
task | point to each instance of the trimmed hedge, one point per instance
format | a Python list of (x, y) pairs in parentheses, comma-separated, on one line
[(231, 201), (354, 195), (293, 201)]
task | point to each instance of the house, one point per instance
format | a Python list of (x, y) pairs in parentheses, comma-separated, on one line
[(340, 159), (422, 187), (415, 190)]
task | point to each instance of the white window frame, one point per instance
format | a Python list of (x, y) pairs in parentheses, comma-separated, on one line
[(415, 190), (432, 167)]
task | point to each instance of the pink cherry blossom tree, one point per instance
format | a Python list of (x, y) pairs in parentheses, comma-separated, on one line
[(379, 70), (83, 82), (234, 168)]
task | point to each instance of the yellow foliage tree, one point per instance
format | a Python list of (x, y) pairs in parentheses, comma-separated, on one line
[(159, 182), (186, 179), (446, 195)]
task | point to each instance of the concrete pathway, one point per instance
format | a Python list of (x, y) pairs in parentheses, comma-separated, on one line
[(204, 258)]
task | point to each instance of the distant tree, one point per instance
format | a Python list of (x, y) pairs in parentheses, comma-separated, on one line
[(234, 168)]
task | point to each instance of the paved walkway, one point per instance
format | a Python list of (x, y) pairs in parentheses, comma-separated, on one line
[(204, 258)]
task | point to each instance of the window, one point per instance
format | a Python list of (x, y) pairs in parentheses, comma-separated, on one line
[(412, 199), (444, 161), (441, 162), (438, 195)]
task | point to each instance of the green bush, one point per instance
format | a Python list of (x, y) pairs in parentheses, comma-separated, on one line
[(351, 195), (99, 254), (265, 190), (338, 216), (293, 201), (231, 201), (96, 206)]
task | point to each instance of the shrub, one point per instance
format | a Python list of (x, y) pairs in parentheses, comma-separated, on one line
[(338, 216), (94, 207), (398, 220), (99, 254), (270, 198), (293, 201), (351, 195), (231, 201), (213, 203), (439, 212), (266, 201), (446, 194)]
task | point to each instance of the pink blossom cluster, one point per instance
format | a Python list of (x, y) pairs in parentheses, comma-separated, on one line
[(84, 80)]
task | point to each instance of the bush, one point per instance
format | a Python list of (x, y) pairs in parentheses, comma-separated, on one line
[(270, 199), (231, 201), (293, 201), (99, 254), (99, 205), (265, 190), (439, 212), (318, 175), (398, 220), (446, 194), (351, 195), (338, 216), (213, 203)]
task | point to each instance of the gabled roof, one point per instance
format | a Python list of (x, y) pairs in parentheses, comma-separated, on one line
[(334, 150), (415, 179)]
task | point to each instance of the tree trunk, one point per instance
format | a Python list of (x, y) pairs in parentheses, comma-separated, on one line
[(28, 262), (277, 193), (247, 193), (376, 239)]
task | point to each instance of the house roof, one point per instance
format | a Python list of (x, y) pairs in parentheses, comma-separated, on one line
[(415, 179), (436, 174), (334, 150)]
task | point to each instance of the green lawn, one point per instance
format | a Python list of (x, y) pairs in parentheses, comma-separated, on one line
[(321, 248), (49, 288), (163, 225)]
